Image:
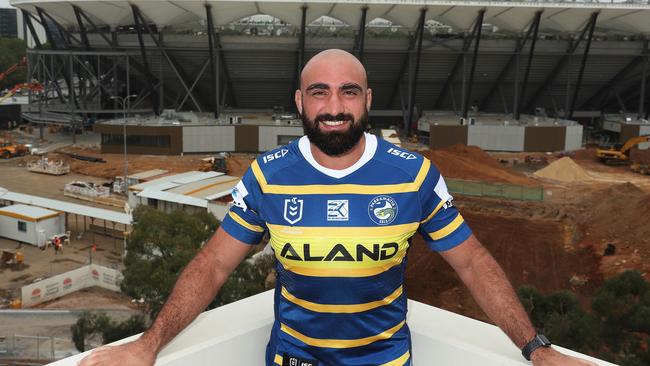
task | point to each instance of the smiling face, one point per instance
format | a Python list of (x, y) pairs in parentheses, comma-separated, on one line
[(334, 101)]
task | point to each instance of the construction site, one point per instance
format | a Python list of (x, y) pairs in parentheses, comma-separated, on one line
[(536, 114)]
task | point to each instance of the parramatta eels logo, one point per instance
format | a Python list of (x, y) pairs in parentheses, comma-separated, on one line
[(382, 210)]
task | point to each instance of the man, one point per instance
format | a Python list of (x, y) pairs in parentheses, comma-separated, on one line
[(340, 206)]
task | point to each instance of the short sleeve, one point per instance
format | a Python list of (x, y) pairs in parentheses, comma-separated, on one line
[(243, 221), (442, 226)]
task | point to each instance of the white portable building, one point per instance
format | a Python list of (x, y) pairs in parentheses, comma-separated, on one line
[(30, 224)]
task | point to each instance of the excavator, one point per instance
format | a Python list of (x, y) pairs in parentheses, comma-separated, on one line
[(619, 153)]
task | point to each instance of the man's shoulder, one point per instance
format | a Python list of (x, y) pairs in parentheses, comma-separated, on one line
[(273, 161), (397, 157)]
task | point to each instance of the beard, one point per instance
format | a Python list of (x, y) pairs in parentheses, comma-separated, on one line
[(335, 143)]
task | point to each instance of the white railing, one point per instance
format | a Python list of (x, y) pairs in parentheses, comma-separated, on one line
[(236, 334)]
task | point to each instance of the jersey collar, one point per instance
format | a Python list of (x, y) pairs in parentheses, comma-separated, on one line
[(368, 153)]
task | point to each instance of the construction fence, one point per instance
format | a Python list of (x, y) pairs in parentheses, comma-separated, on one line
[(496, 190)]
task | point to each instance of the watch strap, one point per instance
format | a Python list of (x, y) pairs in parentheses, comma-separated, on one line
[(539, 340)]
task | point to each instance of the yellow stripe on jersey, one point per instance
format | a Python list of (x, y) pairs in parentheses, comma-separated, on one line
[(401, 361), (393, 231), (435, 211), (342, 309), (339, 272), (439, 234), (245, 224), (341, 188), (341, 343), (278, 360)]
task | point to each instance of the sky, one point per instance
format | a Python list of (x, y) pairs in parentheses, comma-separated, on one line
[(4, 4)]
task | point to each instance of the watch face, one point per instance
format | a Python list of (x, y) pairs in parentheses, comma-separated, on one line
[(545, 341)]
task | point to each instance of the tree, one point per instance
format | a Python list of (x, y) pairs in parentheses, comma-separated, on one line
[(13, 50), (617, 328), (159, 247), (89, 325), (162, 244)]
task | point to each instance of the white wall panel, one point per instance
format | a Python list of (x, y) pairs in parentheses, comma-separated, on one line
[(268, 135), (573, 139), (198, 139), (496, 138)]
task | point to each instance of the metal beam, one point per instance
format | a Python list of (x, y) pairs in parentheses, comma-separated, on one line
[(558, 67), (615, 81), (454, 70), (396, 85), (27, 19), (506, 69), (644, 78), (214, 62), (524, 85), (138, 27), (176, 67), (301, 52), (413, 78), (82, 27), (66, 36), (226, 75), (48, 31), (585, 56), (361, 37), (477, 41)]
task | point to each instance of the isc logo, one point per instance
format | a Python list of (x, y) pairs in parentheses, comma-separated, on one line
[(401, 154), (276, 155)]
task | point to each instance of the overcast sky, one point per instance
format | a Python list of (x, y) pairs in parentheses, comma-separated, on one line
[(4, 3)]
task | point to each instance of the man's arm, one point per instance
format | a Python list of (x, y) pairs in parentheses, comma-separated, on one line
[(195, 288), (493, 292)]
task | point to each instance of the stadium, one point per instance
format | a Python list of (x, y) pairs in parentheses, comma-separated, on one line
[(221, 59)]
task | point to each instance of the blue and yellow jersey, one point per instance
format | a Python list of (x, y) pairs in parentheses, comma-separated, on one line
[(341, 238)]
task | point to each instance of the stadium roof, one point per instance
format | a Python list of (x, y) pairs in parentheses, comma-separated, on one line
[(621, 17)]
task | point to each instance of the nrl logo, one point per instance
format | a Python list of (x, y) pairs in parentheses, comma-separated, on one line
[(293, 210)]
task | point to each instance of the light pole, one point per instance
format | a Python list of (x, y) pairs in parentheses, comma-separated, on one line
[(124, 101)]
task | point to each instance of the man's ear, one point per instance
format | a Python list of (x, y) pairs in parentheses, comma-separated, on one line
[(297, 97), (368, 98)]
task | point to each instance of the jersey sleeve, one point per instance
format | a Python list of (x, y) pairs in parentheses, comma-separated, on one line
[(243, 221), (441, 225)]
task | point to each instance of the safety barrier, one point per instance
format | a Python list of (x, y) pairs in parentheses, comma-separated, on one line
[(497, 190)]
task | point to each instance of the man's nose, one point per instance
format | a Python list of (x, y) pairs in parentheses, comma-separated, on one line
[(335, 105)]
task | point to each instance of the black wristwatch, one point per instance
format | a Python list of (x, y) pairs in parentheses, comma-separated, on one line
[(540, 340)]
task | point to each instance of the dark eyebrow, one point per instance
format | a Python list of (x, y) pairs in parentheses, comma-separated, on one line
[(351, 86), (318, 86)]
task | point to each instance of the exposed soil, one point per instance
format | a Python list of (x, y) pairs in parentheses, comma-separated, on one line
[(90, 298), (472, 163), (541, 249)]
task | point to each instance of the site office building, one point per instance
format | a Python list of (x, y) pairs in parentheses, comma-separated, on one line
[(29, 224)]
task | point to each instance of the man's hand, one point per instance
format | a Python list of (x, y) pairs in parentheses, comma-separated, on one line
[(550, 357), (136, 353)]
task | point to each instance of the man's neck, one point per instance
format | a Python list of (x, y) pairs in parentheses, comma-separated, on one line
[(342, 161)]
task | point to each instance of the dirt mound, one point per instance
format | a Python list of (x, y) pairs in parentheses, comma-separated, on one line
[(564, 170), (619, 213), (472, 163)]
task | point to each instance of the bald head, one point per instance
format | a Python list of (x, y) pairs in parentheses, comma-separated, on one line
[(333, 62)]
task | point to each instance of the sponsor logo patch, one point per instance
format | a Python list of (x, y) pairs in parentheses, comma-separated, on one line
[(288, 360), (276, 155), (382, 210), (293, 210), (238, 193), (338, 210)]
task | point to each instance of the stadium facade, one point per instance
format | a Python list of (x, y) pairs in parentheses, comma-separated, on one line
[(564, 59)]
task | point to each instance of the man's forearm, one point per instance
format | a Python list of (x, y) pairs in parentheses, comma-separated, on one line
[(493, 292), (195, 288)]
